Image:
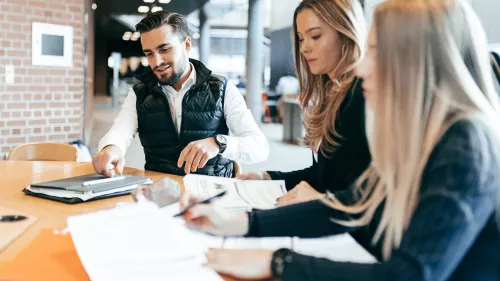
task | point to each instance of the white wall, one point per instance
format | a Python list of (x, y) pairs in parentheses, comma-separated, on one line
[(282, 13), (487, 11)]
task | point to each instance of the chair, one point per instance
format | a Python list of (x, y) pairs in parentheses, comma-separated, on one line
[(236, 169), (47, 151)]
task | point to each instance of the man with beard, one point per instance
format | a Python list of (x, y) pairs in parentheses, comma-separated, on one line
[(182, 112)]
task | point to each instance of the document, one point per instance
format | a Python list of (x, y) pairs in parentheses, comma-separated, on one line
[(241, 194), (82, 196), (138, 242)]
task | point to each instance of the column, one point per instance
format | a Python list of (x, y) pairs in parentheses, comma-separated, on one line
[(255, 51), (204, 41)]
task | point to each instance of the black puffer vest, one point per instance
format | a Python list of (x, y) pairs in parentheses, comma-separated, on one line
[(202, 117)]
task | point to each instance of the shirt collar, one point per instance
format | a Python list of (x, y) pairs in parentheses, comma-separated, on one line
[(187, 84)]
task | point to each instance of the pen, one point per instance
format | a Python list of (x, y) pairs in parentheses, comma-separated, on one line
[(94, 182), (209, 200), (12, 218)]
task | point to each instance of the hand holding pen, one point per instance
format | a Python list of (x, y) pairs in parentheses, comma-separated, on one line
[(211, 218)]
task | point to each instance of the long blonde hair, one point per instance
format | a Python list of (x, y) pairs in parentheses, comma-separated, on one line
[(319, 95), (432, 58)]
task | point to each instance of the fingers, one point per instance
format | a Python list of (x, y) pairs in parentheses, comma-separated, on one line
[(187, 200), (244, 176), (118, 166), (200, 217), (183, 155), (204, 160), (196, 162), (216, 261)]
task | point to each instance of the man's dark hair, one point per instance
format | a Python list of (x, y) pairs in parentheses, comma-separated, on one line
[(160, 18)]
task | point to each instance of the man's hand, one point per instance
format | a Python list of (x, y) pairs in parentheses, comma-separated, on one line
[(302, 192), (109, 161), (197, 153)]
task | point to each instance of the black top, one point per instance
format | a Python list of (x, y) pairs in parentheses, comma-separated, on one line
[(347, 161), (452, 235)]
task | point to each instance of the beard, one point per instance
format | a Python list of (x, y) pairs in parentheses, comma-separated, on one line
[(169, 80)]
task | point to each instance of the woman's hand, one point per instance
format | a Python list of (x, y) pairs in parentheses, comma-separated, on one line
[(213, 219), (242, 264), (254, 176), (302, 192)]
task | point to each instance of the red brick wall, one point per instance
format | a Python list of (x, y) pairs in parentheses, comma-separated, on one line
[(44, 103)]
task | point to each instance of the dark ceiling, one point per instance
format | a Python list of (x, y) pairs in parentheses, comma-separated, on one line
[(109, 32)]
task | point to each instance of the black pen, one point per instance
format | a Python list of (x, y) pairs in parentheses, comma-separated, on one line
[(209, 200), (12, 218)]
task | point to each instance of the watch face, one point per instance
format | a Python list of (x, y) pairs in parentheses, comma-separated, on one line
[(221, 139)]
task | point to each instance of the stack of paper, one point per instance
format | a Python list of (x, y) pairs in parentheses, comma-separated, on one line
[(241, 194), (138, 242)]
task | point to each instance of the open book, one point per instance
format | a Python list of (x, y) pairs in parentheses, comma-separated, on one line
[(241, 194)]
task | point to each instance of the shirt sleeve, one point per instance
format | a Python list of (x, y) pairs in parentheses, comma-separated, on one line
[(124, 127), (456, 202), (309, 175), (248, 144)]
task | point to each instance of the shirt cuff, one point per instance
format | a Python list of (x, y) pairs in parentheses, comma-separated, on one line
[(231, 151), (105, 143)]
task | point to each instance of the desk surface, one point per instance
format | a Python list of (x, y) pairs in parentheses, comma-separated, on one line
[(16, 175)]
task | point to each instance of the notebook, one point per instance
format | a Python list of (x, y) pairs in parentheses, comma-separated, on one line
[(85, 188), (243, 195)]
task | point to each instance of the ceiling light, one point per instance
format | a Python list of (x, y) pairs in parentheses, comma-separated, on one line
[(196, 35), (156, 9), (143, 9), (136, 34), (134, 38), (144, 61), (149, 1), (111, 62), (127, 33), (94, 6), (164, 1), (125, 37)]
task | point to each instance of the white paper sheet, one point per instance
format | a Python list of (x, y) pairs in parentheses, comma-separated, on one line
[(138, 242), (241, 195)]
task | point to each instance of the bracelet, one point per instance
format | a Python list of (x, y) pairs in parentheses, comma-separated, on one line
[(280, 259)]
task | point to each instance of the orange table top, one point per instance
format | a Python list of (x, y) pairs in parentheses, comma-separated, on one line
[(16, 175)]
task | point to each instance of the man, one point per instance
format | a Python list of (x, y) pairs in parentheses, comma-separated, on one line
[(182, 112)]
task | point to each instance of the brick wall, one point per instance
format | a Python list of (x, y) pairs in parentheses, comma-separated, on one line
[(44, 103)]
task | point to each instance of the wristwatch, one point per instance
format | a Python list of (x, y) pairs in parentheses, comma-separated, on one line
[(221, 142), (280, 259)]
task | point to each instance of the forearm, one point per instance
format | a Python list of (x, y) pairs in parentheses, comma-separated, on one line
[(293, 178), (309, 219)]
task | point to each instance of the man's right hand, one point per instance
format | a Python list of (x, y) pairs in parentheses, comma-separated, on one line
[(257, 176), (109, 161)]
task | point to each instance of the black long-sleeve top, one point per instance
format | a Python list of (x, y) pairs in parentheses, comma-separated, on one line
[(342, 166), (453, 234)]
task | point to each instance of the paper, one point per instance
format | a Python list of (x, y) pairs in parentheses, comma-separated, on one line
[(338, 247), (271, 243), (138, 242), (241, 194)]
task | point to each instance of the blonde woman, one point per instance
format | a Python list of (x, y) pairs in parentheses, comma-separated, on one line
[(329, 40), (426, 205)]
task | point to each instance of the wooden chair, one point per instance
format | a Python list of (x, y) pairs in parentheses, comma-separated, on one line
[(236, 169), (47, 151)]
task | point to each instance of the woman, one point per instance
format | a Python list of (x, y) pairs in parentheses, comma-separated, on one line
[(329, 38), (426, 205)]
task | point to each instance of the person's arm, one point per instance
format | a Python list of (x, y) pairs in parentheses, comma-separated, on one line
[(248, 145), (309, 175), (124, 127), (306, 220), (457, 199)]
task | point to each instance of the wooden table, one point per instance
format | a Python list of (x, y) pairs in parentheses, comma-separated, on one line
[(16, 175)]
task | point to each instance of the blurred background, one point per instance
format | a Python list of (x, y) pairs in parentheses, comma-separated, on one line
[(77, 99)]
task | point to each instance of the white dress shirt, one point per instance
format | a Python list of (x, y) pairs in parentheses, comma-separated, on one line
[(246, 145)]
